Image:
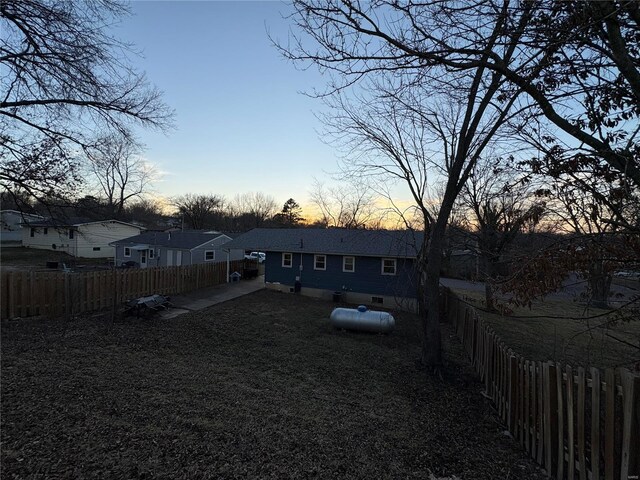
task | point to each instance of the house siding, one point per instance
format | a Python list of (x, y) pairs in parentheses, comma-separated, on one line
[(162, 254), (366, 279), (46, 241), (85, 238), (100, 235)]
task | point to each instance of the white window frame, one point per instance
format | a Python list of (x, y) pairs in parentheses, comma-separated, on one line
[(212, 259), (152, 254), (315, 262), (71, 234), (353, 264), (32, 232), (285, 256), (395, 266), (45, 231), (127, 251)]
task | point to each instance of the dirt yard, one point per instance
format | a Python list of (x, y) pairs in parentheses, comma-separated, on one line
[(259, 387)]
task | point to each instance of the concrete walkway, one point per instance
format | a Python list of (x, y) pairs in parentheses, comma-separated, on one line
[(207, 297)]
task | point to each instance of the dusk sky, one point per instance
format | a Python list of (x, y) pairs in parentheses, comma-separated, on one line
[(242, 123)]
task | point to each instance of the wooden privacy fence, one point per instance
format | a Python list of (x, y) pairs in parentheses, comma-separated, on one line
[(27, 294), (577, 424)]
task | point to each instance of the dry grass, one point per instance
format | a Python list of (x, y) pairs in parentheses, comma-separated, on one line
[(565, 331), (23, 258), (259, 387)]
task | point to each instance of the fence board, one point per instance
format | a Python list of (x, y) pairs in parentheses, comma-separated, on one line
[(595, 424), (513, 396), (582, 463), (559, 424), (550, 416), (630, 425), (570, 426), (539, 415), (609, 425), (527, 405)]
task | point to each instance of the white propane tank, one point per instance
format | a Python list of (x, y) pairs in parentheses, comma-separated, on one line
[(362, 319)]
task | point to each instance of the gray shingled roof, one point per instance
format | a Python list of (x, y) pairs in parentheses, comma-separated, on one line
[(338, 241), (186, 240), (72, 222)]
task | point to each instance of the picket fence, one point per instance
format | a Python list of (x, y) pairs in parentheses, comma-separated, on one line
[(575, 423), (35, 293)]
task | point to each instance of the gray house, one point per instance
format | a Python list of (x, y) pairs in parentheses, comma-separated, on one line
[(166, 249), (374, 267)]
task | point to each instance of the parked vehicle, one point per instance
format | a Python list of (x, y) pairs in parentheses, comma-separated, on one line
[(260, 256)]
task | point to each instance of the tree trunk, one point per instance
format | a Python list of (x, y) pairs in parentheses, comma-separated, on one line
[(489, 275), (599, 285), (432, 341)]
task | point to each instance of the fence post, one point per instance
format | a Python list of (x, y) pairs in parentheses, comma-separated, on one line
[(559, 423), (513, 395), (609, 424), (595, 424), (630, 425), (582, 461), (550, 416), (571, 464)]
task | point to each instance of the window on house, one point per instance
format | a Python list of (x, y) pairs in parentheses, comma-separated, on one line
[(209, 255), (388, 266), (379, 300), (319, 262), (70, 233), (96, 249), (151, 253), (348, 264), (127, 252), (45, 230), (32, 232), (287, 260)]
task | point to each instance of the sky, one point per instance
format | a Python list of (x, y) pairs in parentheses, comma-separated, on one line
[(242, 121)]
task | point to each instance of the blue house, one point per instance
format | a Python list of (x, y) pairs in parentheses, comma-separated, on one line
[(373, 267)]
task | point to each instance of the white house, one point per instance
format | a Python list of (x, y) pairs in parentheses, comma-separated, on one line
[(77, 237), (11, 224)]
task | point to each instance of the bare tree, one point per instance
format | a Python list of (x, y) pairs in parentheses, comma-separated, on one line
[(199, 211), (119, 172), (65, 78), (558, 54), (146, 211), (43, 171), (498, 206), (347, 204), (253, 209), (400, 134)]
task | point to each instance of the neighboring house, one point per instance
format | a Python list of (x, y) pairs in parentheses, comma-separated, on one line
[(12, 220), (375, 267), (166, 249), (76, 236)]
